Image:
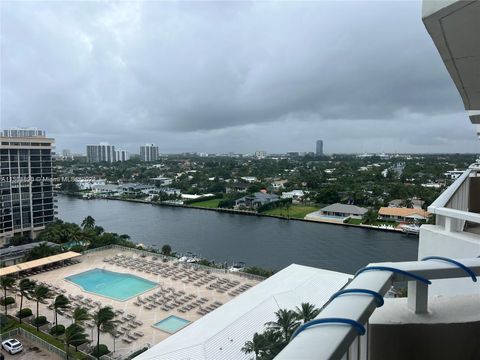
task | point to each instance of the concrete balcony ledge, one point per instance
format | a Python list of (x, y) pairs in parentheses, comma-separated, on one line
[(436, 240), (450, 330), (441, 309)]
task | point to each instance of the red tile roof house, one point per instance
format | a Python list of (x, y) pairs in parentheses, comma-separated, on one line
[(402, 214)]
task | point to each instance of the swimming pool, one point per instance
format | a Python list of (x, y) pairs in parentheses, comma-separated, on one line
[(117, 286), (171, 324)]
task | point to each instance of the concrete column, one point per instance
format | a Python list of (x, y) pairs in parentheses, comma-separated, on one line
[(418, 297)]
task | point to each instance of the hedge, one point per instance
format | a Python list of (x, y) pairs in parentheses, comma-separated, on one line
[(7, 301), (57, 330), (25, 312), (41, 320), (103, 350)]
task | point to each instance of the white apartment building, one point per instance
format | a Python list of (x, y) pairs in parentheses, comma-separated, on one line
[(149, 153), (102, 152)]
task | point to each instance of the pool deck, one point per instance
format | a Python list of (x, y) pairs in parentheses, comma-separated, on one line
[(167, 279)]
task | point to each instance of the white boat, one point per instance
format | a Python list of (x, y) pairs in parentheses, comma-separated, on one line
[(411, 229), (239, 266), (189, 258)]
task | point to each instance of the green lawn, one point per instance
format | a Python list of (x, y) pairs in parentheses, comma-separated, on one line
[(212, 203), (295, 211)]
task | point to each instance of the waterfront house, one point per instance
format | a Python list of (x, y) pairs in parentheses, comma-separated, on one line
[(256, 200), (403, 214), (239, 187), (398, 203), (138, 189), (295, 195), (343, 210), (89, 184)]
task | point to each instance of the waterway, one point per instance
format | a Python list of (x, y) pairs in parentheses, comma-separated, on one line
[(260, 241)]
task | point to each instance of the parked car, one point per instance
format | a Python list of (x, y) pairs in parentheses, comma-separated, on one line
[(13, 346)]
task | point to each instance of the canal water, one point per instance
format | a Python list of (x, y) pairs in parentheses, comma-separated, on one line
[(260, 241)]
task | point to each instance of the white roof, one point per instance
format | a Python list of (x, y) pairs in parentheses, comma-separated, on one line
[(221, 334)]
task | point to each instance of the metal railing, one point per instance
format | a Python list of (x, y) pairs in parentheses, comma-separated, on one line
[(452, 206), (339, 341)]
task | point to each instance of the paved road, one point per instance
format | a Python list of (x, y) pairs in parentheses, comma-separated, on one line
[(30, 352)]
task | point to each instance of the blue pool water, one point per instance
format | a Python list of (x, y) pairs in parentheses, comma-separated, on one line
[(111, 284), (171, 324)]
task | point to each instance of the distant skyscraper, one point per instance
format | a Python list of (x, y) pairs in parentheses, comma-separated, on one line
[(148, 152), (319, 148), (122, 155), (101, 152), (26, 189)]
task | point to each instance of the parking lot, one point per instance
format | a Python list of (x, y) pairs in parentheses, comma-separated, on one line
[(30, 352)]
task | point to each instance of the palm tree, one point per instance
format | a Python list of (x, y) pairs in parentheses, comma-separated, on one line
[(255, 345), (25, 286), (98, 230), (307, 312), (88, 223), (74, 335), (40, 293), (80, 315), (286, 323), (103, 320), (370, 217), (274, 343), (61, 302), (7, 283)]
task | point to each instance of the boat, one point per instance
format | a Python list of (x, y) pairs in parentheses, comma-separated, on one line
[(239, 266), (411, 229), (189, 258)]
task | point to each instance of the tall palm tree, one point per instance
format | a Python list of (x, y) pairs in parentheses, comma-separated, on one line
[(7, 283), (74, 335), (307, 312), (255, 345), (25, 286), (61, 302), (286, 323), (80, 315), (274, 343), (370, 217), (40, 293), (104, 321), (88, 223)]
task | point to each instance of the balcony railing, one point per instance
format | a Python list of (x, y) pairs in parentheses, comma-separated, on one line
[(340, 341), (452, 207)]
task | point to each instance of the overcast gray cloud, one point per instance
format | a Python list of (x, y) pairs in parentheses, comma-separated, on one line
[(229, 76)]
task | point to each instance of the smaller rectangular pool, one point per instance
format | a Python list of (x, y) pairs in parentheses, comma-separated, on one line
[(171, 324)]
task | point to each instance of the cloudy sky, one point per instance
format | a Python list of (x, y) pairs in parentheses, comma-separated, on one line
[(230, 76)]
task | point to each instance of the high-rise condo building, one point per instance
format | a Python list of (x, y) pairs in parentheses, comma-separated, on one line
[(149, 152), (102, 152), (319, 148), (26, 188), (122, 155)]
